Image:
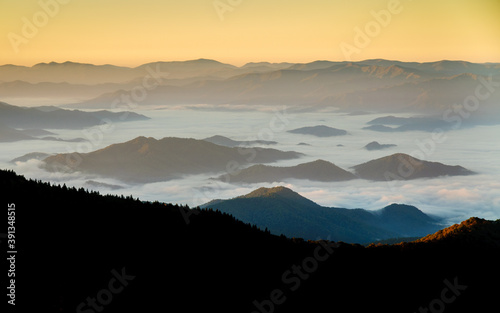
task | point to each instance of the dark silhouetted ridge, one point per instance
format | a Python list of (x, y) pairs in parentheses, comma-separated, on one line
[(207, 261)]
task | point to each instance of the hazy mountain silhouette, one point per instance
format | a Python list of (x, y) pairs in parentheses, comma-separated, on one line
[(70, 72), (90, 74), (401, 166), (443, 67), (279, 86), (31, 156), (227, 142), (284, 211), (147, 159), (64, 90), (8, 134), (374, 145), (318, 170), (56, 118), (430, 97), (319, 131), (381, 128), (373, 85), (204, 260), (429, 124)]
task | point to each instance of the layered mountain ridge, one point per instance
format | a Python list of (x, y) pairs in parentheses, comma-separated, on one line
[(283, 211)]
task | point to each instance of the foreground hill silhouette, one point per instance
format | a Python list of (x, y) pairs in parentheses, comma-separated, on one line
[(148, 159), (400, 166), (318, 170), (283, 211), (72, 240)]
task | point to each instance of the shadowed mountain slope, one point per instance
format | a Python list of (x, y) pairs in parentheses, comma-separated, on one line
[(401, 166), (147, 159), (318, 170), (203, 260), (56, 118), (284, 211)]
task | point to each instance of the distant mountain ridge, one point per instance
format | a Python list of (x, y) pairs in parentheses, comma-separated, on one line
[(284, 211), (374, 145), (225, 141), (148, 159), (319, 131), (318, 170), (370, 85), (400, 166), (56, 118)]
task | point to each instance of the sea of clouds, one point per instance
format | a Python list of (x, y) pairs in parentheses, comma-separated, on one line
[(452, 198)]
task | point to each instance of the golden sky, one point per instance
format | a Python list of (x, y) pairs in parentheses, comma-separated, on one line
[(133, 32)]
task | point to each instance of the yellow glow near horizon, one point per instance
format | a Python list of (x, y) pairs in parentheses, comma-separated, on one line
[(133, 32)]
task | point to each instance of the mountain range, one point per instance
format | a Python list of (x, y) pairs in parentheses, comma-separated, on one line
[(370, 85), (56, 118), (144, 159), (9, 134), (402, 124), (400, 166), (319, 170), (284, 211), (203, 260)]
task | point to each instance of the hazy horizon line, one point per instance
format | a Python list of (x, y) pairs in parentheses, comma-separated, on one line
[(246, 63)]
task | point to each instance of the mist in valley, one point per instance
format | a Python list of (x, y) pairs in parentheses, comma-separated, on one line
[(453, 198)]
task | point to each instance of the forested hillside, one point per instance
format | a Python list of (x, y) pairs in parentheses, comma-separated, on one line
[(85, 252)]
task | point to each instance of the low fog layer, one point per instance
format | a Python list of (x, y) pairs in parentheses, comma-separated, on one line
[(455, 198)]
